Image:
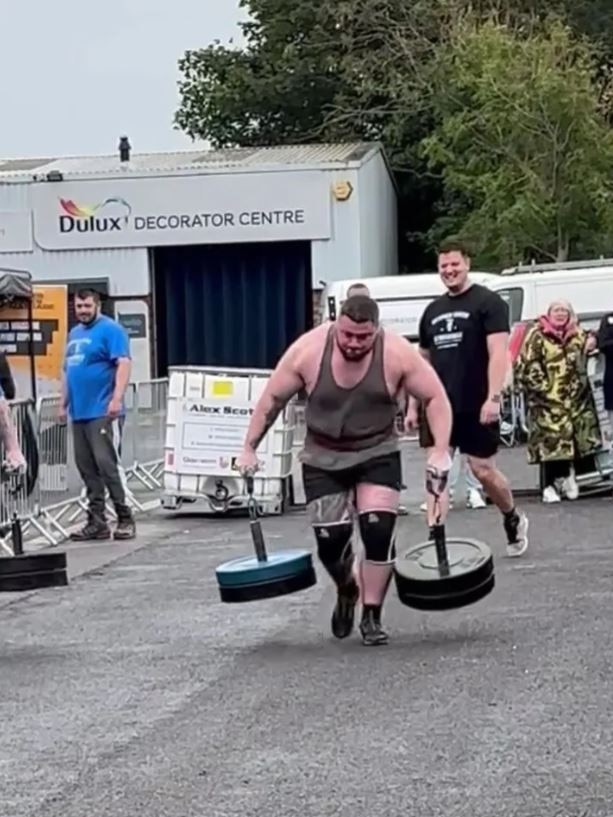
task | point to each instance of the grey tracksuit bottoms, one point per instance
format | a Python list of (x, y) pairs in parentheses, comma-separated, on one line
[(97, 449)]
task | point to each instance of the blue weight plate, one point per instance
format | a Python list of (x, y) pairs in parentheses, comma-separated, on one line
[(268, 590), (282, 564)]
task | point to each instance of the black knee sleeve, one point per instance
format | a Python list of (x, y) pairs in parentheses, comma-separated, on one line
[(377, 532), (333, 542)]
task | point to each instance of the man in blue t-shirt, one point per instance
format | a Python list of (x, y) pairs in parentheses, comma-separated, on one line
[(96, 373)]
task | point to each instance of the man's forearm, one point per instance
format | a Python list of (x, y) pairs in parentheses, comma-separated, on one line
[(267, 409), (122, 378), (7, 429), (440, 419), (497, 372)]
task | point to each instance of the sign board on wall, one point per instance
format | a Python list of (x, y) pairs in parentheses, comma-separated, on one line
[(49, 330), (148, 212), (210, 435), (16, 231)]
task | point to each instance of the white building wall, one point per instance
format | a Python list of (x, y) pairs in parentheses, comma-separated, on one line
[(127, 270), (362, 243), (378, 220), (339, 257)]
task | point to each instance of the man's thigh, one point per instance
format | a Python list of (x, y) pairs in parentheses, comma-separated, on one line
[(329, 495), (378, 484)]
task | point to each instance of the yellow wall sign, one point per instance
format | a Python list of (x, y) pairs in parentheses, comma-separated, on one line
[(49, 332)]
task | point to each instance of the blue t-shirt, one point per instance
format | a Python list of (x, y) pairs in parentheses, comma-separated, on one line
[(90, 365)]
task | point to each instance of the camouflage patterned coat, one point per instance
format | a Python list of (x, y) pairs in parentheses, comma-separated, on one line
[(561, 415)]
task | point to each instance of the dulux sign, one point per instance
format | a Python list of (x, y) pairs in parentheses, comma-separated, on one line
[(146, 212)]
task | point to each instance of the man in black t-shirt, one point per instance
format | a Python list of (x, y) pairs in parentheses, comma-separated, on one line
[(464, 334)]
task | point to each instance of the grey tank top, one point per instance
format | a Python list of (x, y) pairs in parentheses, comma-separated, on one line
[(345, 427)]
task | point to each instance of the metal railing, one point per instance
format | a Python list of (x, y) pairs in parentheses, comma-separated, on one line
[(51, 500)]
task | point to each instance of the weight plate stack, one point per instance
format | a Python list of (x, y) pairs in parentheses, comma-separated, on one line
[(249, 579), (32, 571), (424, 584)]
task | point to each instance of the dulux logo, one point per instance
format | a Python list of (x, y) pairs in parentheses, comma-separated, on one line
[(87, 219)]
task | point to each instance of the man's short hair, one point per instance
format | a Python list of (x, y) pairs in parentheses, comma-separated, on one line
[(454, 244), (357, 288), (82, 294), (361, 309)]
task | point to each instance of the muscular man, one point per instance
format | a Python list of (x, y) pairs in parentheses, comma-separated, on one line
[(464, 334), (352, 372)]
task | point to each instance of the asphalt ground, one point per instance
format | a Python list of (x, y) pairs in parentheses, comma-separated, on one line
[(134, 691)]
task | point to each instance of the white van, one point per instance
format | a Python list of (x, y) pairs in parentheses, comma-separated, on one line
[(528, 290)]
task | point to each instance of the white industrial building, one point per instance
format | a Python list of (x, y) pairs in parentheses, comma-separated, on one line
[(208, 258)]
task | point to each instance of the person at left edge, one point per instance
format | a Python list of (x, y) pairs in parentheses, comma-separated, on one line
[(96, 373)]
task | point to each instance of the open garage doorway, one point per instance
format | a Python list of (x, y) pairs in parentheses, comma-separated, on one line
[(238, 305)]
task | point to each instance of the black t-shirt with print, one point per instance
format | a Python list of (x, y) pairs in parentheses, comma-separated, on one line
[(454, 330)]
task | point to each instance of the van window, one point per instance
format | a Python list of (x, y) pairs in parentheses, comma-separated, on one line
[(514, 299)]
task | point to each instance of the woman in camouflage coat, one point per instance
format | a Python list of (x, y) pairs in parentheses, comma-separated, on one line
[(551, 371)]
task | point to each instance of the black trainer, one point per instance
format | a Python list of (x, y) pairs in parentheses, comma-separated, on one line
[(373, 634), (344, 612), (94, 530), (125, 528)]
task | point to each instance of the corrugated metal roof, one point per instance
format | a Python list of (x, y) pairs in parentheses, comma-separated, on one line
[(16, 170)]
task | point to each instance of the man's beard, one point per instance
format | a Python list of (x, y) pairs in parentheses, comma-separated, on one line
[(353, 357)]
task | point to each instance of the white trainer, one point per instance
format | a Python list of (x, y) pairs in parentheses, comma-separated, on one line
[(517, 534)]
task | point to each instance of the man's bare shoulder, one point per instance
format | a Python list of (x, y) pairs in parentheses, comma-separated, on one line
[(398, 346), (308, 345), (313, 339)]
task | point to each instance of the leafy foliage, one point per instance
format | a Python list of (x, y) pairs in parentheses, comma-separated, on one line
[(339, 70), (522, 143)]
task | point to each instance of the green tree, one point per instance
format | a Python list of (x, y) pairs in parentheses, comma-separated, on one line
[(522, 144), (275, 90), (336, 70)]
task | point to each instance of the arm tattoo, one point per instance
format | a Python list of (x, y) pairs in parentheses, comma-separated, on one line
[(269, 419)]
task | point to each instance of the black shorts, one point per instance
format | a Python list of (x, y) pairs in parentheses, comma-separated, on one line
[(468, 434), (384, 470)]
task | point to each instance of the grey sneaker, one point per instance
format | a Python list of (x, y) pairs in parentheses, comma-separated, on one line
[(371, 630)]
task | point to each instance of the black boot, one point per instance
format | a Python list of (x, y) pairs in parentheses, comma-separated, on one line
[(95, 529), (344, 613), (373, 634), (126, 527), (348, 595)]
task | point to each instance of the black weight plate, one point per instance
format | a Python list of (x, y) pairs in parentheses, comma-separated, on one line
[(470, 562), (32, 561), (447, 585), (450, 601), (268, 590), (33, 580)]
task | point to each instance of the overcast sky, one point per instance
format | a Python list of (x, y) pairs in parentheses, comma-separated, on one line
[(75, 74)]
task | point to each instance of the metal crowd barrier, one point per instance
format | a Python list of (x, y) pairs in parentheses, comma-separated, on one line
[(51, 500)]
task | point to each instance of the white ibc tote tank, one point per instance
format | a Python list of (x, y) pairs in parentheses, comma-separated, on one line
[(208, 413)]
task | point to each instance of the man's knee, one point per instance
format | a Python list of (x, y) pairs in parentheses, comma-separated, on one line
[(377, 532), (483, 469), (333, 542)]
